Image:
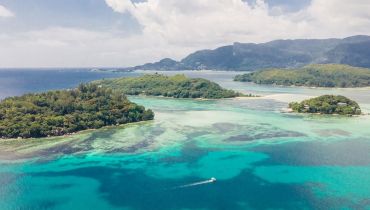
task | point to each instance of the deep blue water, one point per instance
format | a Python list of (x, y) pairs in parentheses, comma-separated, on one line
[(19, 81)]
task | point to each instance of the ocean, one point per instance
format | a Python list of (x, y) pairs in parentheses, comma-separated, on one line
[(261, 157)]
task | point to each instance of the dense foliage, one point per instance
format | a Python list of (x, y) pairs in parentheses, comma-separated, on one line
[(317, 75), (327, 104), (178, 86), (57, 113)]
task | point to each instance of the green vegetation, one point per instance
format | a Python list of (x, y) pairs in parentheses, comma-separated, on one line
[(178, 86), (316, 75), (327, 104), (56, 113)]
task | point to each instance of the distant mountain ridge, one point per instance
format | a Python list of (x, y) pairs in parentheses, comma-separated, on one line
[(354, 51)]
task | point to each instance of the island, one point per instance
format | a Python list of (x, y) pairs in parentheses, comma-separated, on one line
[(315, 75), (177, 86), (61, 112), (327, 104)]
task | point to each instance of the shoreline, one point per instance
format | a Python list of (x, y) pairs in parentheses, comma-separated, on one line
[(280, 97), (87, 131), (309, 87)]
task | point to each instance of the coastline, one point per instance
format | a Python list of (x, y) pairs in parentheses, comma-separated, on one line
[(76, 133), (24, 149), (309, 87), (282, 97)]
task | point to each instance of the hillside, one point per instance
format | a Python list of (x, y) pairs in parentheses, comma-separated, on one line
[(354, 54), (315, 75), (353, 51), (165, 64), (178, 86), (56, 113)]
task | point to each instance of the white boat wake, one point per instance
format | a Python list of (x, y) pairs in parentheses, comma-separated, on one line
[(212, 180)]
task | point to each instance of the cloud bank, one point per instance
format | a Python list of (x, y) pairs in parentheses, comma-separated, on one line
[(174, 28), (194, 22), (4, 12)]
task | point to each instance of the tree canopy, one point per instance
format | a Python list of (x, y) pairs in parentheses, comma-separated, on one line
[(178, 86), (60, 112), (327, 104), (316, 75)]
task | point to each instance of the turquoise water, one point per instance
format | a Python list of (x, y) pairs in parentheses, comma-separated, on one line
[(261, 157)]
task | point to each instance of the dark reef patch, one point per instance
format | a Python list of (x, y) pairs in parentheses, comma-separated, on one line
[(190, 154), (267, 134), (332, 132), (134, 148), (261, 136), (73, 147), (351, 152), (261, 104), (149, 140), (224, 127)]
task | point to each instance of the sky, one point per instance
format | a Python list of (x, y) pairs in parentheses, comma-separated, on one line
[(120, 33)]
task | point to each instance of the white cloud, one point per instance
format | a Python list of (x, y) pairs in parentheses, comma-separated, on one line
[(120, 6), (208, 23), (74, 47), (335, 17), (174, 28), (4, 12)]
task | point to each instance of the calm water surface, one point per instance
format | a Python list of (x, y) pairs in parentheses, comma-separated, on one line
[(262, 158), (19, 81)]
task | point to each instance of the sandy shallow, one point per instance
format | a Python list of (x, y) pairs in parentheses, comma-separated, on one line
[(286, 98)]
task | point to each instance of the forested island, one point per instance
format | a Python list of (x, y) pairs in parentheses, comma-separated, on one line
[(315, 75), (327, 104), (178, 86), (61, 112)]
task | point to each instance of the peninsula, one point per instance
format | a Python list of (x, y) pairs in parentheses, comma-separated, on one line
[(178, 86)]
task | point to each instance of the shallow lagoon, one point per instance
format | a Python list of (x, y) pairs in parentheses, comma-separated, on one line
[(262, 158)]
